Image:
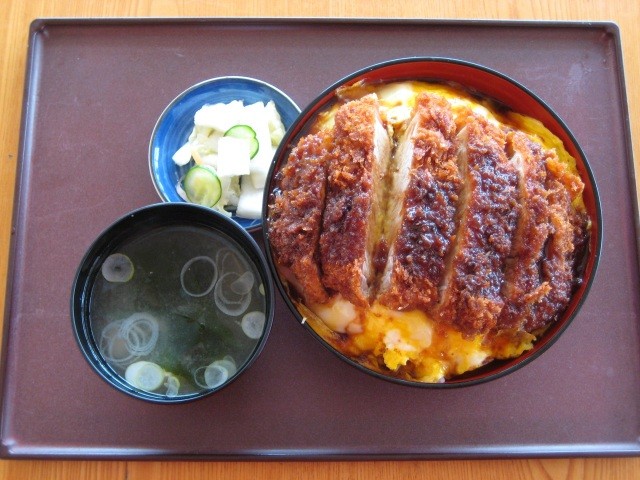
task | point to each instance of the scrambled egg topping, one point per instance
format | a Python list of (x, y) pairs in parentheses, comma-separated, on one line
[(409, 343)]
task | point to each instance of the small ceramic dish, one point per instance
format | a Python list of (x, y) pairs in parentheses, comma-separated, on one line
[(176, 123)]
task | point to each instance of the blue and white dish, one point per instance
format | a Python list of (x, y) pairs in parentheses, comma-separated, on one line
[(176, 123)]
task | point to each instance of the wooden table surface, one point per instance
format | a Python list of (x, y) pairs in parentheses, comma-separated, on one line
[(15, 16)]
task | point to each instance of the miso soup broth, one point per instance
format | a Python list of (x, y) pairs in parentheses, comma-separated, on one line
[(177, 311)]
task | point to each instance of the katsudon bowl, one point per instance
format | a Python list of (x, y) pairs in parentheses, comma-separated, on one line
[(335, 264)]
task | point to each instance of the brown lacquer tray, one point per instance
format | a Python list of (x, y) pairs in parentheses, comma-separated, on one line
[(94, 90)]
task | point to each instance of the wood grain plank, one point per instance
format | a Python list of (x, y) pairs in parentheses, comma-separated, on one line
[(59, 470), (555, 469)]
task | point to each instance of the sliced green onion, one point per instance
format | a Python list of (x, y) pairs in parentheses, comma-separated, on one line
[(145, 375), (253, 324), (194, 275), (117, 268), (173, 385), (227, 301), (227, 363), (215, 375)]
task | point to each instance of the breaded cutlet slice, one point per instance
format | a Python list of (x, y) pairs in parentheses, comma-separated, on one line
[(567, 237), (487, 210), (524, 285), (355, 199), (422, 205), (295, 217)]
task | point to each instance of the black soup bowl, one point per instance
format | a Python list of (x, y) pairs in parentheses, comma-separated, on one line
[(172, 303)]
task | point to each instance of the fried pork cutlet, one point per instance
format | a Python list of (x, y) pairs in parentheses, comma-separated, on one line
[(524, 285), (355, 199), (421, 207), (471, 222), (487, 211), (295, 217), (566, 238)]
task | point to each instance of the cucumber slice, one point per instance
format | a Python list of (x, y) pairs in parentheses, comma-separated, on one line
[(241, 131), (248, 133), (254, 146), (202, 186)]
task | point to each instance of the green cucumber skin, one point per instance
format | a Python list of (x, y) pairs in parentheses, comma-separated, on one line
[(190, 186), (254, 146), (240, 131), (245, 131)]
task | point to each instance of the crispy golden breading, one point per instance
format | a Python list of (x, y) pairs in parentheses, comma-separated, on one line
[(524, 286), (354, 200), (471, 299), (422, 207), (295, 217), (566, 239)]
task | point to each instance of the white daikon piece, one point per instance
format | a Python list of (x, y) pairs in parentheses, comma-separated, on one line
[(276, 127), (219, 116), (233, 157), (182, 155), (250, 201)]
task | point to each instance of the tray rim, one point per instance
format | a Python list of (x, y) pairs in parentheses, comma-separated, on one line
[(611, 26), (38, 26)]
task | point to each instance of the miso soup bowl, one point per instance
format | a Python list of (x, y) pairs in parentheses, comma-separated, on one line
[(508, 94), (172, 303)]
